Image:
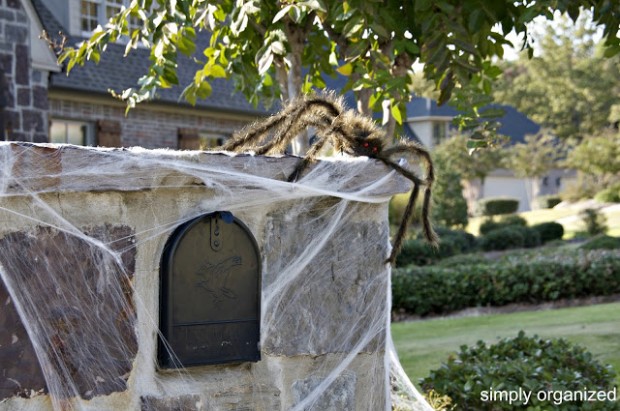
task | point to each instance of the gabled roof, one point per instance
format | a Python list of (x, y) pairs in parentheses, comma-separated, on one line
[(117, 72), (516, 125), (513, 123), (426, 107)]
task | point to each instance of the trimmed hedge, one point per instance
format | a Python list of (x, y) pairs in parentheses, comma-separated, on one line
[(419, 252), (549, 231), (489, 224), (510, 237), (524, 279), (602, 242), (549, 201), (497, 205), (523, 364)]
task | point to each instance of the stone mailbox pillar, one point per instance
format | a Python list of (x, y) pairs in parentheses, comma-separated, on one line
[(94, 242)]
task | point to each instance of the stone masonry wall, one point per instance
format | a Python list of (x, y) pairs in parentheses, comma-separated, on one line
[(27, 103)]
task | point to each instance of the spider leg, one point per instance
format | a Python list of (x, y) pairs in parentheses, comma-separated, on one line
[(427, 228), (309, 158), (285, 125), (402, 229), (304, 116), (290, 130), (254, 132)]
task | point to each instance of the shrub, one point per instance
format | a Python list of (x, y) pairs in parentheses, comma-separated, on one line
[(549, 201), (549, 231), (462, 240), (530, 364), (595, 222), (510, 237), (489, 224), (417, 252), (450, 207), (451, 242), (609, 195), (602, 242), (497, 205), (527, 278)]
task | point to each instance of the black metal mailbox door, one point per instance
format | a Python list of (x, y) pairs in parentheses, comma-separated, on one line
[(210, 293)]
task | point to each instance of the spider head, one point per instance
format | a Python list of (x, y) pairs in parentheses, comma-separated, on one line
[(365, 139), (369, 146)]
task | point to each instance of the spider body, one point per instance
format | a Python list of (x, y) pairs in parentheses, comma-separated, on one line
[(348, 132)]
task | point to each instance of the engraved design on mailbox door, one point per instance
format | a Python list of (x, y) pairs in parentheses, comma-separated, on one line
[(211, 293), (214, 278)]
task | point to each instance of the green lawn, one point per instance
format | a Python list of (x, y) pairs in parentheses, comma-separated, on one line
[(424, 345)]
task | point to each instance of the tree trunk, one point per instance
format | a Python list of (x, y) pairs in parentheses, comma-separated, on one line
[(290, 79)]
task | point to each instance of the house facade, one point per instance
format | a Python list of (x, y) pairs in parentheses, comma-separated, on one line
[(40, 103), (431, 124)]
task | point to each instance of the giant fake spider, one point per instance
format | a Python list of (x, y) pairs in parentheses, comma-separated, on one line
[(348, 132)]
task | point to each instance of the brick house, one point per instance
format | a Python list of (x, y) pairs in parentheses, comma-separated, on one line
[(40, 103)]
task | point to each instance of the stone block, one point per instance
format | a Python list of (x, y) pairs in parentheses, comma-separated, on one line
[(39, 99), (23, 97), (68, 272), (33, 120), (16, 34), (7, 15), (339, 395), (22, 62), (14, 4), (6, 61), (181, 403), (348, 282)]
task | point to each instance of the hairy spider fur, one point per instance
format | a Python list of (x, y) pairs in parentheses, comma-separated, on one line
[(348, 132)]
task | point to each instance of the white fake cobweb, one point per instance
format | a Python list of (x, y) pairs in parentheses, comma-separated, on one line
[(82, 232)]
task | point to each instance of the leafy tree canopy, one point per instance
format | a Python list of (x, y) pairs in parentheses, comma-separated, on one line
[(571, 88), (598, 155), (536, 156), (475, 165), (264, 45)]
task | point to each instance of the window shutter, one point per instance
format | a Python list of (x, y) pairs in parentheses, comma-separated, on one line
[(109, 133), (189, 139)]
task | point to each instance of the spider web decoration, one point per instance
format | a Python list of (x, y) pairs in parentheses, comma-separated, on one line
[(82, 232), (348, 132)]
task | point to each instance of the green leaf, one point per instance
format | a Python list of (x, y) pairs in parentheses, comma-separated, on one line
[(280, 15), (380, 30), (353, 26), (277, 47), (422, 5), (186, 45), (214, 70), (313, 5), (345, 69), (265, 61), (395, 110), (492, 112), (464, 45), (204, 90)]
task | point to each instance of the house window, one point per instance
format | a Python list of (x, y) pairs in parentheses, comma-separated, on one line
[(99, 12), (72, 132), (439, 132), (545, 181), (112, 7), (89, 16)]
